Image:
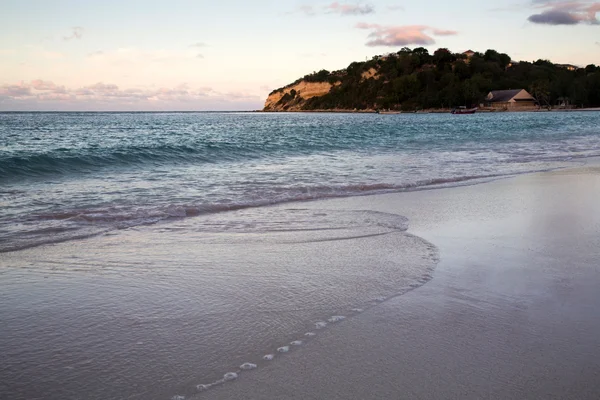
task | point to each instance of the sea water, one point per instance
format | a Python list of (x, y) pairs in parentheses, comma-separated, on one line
[(69, 175), (155, 255)]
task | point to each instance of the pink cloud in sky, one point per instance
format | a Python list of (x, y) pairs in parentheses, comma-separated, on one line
[(336, 7), (402, 35), (39, 84), (15, 91), (45, 95), (350, 9)]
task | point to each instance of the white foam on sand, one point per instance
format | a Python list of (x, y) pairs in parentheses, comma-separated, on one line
[(247, 366), (320, 324), (203, 387), (230, 376)]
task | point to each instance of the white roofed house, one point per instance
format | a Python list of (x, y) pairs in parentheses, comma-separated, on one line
[(510, 99), (569, 67)]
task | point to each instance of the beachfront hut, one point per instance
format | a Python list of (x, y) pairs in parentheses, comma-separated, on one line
[(510, 99), (569, 67)]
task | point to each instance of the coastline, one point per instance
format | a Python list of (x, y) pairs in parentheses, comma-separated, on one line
[(509, 312), (432, 111)]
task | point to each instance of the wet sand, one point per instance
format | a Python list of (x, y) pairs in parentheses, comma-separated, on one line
[(511, 312)]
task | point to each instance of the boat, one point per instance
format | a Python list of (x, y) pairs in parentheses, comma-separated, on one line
[(464, 110)]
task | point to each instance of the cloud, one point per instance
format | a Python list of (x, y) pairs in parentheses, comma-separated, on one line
[(199, 55), (343, 9), (46, 95), (103, 88), (349, 9), (198, 45), (15, 91), (554, 18), (402, 35), (39, 84), (305, 9), (560, 12), (77, 33)]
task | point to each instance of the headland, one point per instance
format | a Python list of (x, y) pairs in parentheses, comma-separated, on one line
[(412, 80)]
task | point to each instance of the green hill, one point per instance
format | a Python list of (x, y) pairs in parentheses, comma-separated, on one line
[(414, 79)]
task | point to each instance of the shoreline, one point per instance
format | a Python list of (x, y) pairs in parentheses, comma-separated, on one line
[(432, 111), (421, 186), (508, 314)]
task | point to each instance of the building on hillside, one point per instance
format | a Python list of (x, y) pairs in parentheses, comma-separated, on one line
[(570, 67), (510, 99)]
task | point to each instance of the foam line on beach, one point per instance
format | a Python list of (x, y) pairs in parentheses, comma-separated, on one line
[(105, 220), (320, 325)]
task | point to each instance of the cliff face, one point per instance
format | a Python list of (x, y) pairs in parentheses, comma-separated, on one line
[(293, 97)]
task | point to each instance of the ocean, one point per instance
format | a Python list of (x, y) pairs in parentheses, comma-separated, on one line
[(155, 255)]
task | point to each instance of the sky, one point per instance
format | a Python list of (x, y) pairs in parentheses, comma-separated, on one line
[(200, 55)]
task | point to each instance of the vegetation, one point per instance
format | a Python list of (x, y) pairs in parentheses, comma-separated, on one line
[(414, 79), (321, 76)]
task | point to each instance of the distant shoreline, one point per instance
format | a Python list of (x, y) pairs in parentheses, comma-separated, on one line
[(430, 111)]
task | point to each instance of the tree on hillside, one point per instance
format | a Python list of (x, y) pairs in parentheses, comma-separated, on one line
[(540, 89), (414, 79)]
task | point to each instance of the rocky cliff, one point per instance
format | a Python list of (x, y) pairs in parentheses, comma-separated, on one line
[(294, 96)]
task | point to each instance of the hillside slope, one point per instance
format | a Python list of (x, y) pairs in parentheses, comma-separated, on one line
[(414, 79)]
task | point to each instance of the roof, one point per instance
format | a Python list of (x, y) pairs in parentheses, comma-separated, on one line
[(503, 96), (567, 66)]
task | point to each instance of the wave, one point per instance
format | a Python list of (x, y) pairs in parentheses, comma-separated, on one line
[(64, 161), (116, 215), (72, 224)]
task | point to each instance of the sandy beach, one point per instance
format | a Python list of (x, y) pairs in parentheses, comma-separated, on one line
[(511, 311)]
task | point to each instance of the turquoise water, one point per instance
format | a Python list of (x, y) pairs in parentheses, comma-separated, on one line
[(70, 175)]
